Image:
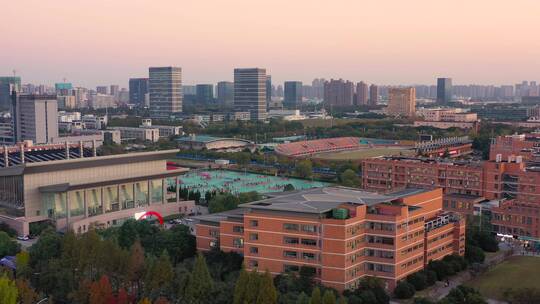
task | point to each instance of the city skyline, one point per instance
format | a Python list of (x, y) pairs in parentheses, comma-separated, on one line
[(383, 42)]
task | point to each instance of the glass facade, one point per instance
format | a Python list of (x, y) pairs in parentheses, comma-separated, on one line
[(110, 198), (126, 196), (156, 191), (76, 203), (54, 205), (171, 189), (93, 201), (141, 194)]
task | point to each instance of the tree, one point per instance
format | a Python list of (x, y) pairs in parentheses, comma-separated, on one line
[(136, 265), (404, 290), (342, 300), (159, 276), (316, 296), (252, 290), (418, 280), (27, 295), (267, 290), (329, 297), (8, 291), (241, 287), (200, 283), (304, 168), (302, 298), (101, 291), (122, 297), (22, 260), (349, 178), (8, 246), (288, 187), (474, 254)]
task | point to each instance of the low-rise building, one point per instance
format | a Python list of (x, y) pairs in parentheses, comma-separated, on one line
[(341, 234), (205, 142), (143, 134)]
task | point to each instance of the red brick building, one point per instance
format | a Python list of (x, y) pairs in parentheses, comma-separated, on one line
[(341, 234)]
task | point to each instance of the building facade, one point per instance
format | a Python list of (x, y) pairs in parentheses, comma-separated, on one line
[(204, 93), (250, 92), (401, 102), (225, 92), (7, 86), (165, 89), (293, 94), (37, 118), (373, 95), (362, 93), (138, 91), (341, 234), (338, 93), (444, 90)]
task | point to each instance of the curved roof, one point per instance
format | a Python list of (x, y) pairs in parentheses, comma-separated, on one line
[(208, 139)]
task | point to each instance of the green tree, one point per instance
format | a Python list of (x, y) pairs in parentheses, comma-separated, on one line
[(267, 290), (302, 298), (342, 300), (22, 260), (8, 291), (200, 283), (27, 295), (329, 297), (349, 178), (159, 276), (288, 187), (136, 267), (8, 246), (241, 287), (252, 290), (315, 296), (304, 168), (404, 290)]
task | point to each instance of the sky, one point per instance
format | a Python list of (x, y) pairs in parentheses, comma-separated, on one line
[(103, 42)]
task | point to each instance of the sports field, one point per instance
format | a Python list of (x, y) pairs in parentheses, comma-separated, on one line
[(516, 272), (364, 153), (238, 182)]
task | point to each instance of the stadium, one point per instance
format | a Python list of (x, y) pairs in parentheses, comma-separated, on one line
[(340, 147), (205, 142)]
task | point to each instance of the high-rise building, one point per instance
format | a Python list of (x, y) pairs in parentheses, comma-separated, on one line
[(7, 86), (338, 93), (138, 90), (250, 92), (102, 90), (204, 93), (36, 118), (362, 93), (293, 94), (373, 95), (444, 90), (401, 101), (268, 89), (115, 91), (225, 92), (165, 87), (63, 88)]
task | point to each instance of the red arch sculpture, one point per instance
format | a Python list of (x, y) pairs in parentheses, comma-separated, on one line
[(152, 213)]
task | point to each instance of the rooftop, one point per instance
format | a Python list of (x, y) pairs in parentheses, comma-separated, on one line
[(321, 200), (205, 138)]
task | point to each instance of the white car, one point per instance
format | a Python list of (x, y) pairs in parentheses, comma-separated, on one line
[(23, 238)]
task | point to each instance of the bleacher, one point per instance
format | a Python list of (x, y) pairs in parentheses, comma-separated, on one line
[(310, 147)]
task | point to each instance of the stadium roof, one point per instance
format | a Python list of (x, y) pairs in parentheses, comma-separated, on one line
[(206, 138)]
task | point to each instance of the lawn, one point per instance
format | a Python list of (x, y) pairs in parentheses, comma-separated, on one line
[(364, 153), (516, 272)]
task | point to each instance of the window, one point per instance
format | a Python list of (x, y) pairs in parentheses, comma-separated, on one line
[(309, 242), (290, 240), (253, 264), (254, 223), (309, 228), (290, 254), (308, 256), (238, 229), (254, 250), (238, 242), (290, 268), (253, 237), (290, 227), (213, 232)]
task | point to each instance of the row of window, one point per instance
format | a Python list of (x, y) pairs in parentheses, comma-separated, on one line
[(297, 227), (440, 249), (440, 237), (411, 222), (295, 241), (411, 236), (412, 262), (412, 249), (379, 267)]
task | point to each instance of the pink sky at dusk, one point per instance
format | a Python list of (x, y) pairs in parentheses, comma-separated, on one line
[(102, 42)]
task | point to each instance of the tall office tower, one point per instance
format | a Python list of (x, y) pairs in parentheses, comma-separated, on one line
[(102, 90), (444, 90), (225, 92), (138, 90), (402, 102), (115, 91), (338, 93), (7, 86), (204, 93), (268, 89), (165, 87), (362, 93), (36, 118), (63, 88), (250, 92), (293, 94)]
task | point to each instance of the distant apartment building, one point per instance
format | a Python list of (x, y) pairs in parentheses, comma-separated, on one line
[(138, 91), (225, 92), (338, 93), (36, 118), (373, 95), (293, 94), (362, 94), (66, 101), (444, 90), (250, 92), (7, 86), (101, 101), (102, 90), (401, 102), (141, 134), (165, 89), (341, 234), (204, 93)]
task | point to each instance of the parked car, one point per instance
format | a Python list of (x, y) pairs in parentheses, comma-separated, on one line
[(23, 238)]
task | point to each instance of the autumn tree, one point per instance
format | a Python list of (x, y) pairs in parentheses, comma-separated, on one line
[(101, 291), (200, 282), (267, 290)]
